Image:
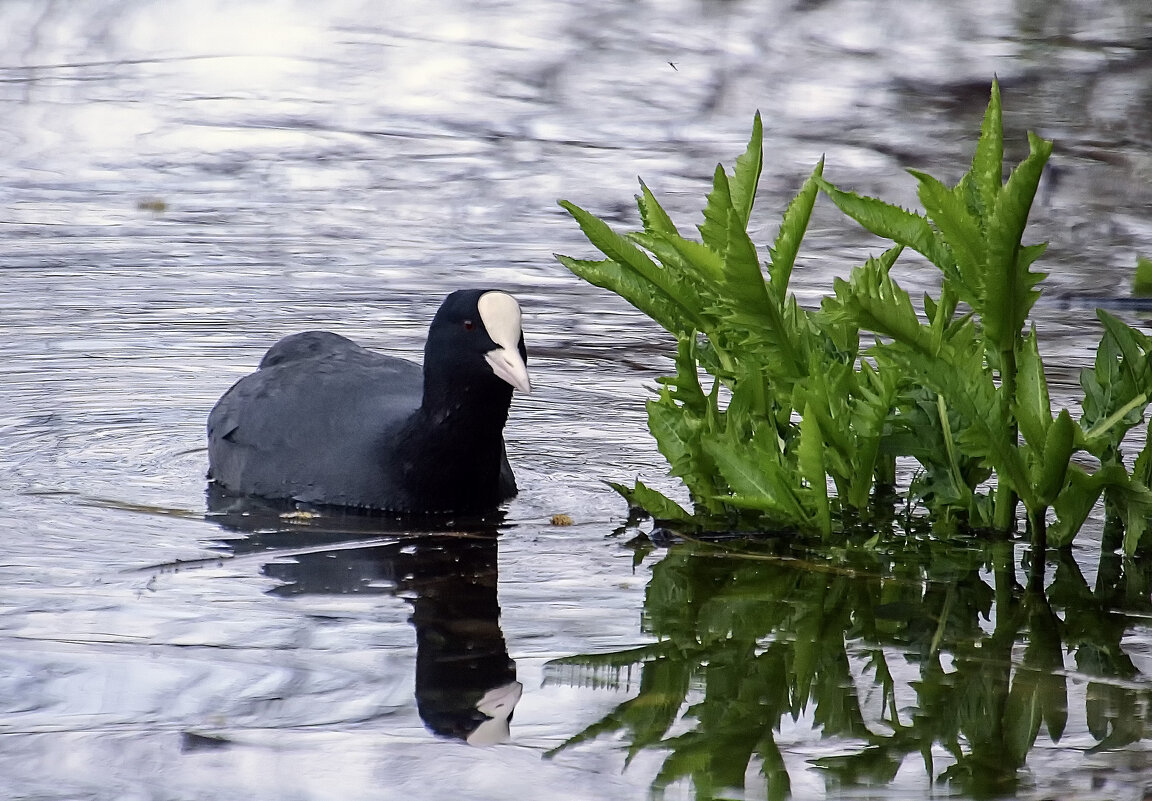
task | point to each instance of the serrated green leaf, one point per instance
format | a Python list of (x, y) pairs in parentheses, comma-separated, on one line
[(962, 233), (872, 301), (1033, 408), (877, 396), (1142, 469), (742, 275), (652, 214), (694, 290), (1008, 284), (758, 483), (714, 228), (749, 303), (942, 317), (746, 174), (745, 476), (677, 437), (1073, 505), (986, 174), (792, 228), (892, 222), (708, 264), (825, 394), (958, 373), (685, 386), (1080, 493), (1134, 501), (655, 503), (1117, 389), (810, 460), (635, 289), (930, 307), (630, 270), (1053, 465), (1134, 348)]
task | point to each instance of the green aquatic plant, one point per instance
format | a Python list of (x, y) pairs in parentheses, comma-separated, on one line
[(733, 441), (777, 417)]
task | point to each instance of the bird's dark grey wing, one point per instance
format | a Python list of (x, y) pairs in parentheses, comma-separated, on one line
[(307, 345), (310, 428)]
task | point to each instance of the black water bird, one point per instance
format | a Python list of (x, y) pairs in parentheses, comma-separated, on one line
[(325, 421)]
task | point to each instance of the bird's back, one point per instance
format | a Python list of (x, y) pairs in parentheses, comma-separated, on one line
[(313, 423)]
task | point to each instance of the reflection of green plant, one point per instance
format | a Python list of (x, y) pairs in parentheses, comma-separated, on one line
[(796, 427), (754, 636)]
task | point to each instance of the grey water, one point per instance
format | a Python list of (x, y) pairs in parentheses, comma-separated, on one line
[(183, 183)]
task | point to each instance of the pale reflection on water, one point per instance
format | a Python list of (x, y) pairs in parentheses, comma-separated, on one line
[(184, 182)]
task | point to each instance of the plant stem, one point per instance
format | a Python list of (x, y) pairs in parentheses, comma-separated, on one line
[(1038, 527), (1004, 515), (1003, 582), (949, 446), (1111, 420)]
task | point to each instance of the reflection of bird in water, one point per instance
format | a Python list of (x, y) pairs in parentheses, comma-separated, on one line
[(497, 706), (462, 660), (466, 684)]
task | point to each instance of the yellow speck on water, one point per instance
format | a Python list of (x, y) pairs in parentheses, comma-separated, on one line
[(152, 204), (299, 515), (561, 520)]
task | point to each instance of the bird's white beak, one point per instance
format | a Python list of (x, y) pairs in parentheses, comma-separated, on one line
[(500, 314), (508, 365)]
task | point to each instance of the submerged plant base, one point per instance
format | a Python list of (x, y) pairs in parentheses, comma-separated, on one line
[(795, 425)]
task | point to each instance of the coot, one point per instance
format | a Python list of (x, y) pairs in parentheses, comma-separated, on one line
[(326, 421)]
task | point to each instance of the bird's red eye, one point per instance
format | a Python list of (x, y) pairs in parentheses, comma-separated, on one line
[(469, 325)]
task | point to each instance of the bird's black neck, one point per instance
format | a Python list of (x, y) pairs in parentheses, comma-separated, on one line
[(450, 452)]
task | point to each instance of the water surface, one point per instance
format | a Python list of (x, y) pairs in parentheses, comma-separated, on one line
[(186, 182)]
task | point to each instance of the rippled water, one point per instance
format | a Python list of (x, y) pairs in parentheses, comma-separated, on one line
[(183, 183)]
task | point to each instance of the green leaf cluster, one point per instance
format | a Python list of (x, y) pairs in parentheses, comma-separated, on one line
[(783, 417), (768, 404)]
